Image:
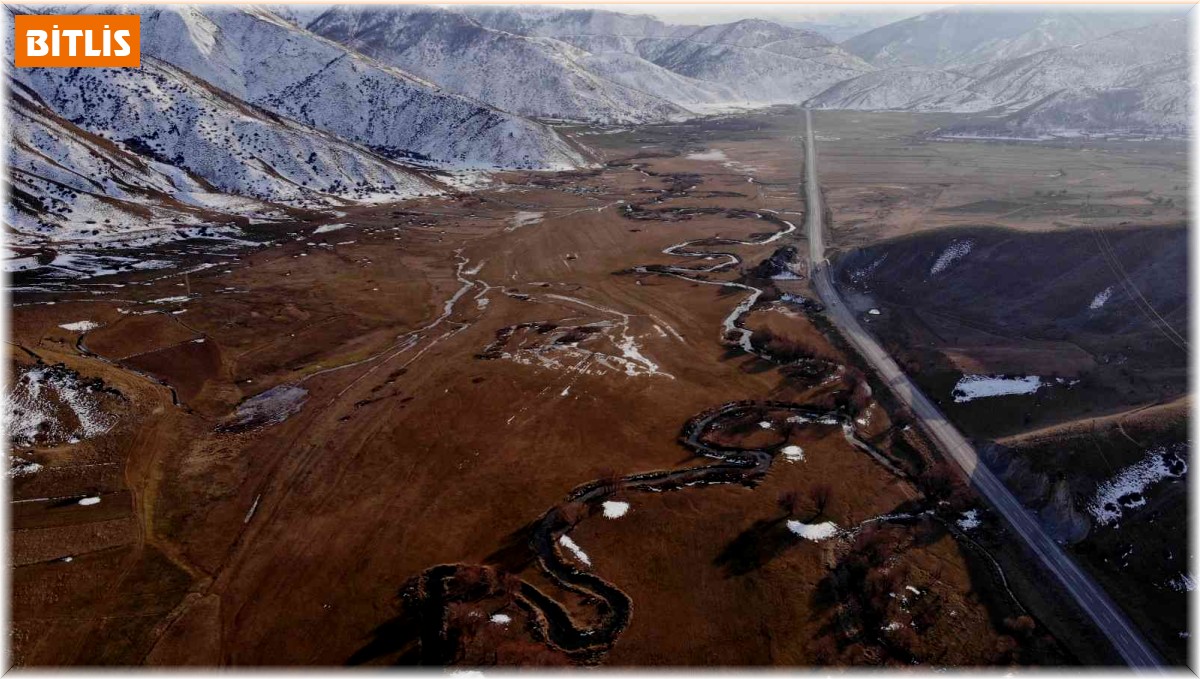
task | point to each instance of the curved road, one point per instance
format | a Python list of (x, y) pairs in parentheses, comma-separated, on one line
[(1091, 598)]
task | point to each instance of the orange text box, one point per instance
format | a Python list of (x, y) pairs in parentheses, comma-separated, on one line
[(100, 40)]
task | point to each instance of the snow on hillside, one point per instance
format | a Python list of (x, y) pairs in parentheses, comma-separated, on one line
[(47, 405), (1133, 81), (637, 73), (1128, 489), (960, 37), (531, 76), (909, 88), (762, 62), (322, 84), (753, 60), (167, 115)]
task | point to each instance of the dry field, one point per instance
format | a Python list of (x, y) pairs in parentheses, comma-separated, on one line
[(366, 445)]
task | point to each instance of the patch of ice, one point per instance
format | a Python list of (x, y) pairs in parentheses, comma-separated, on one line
[(614, 509), (953, 252), (971, 387), (793, 453), (270, 407), (80, 326), (567, 542), (1101, 298), (815, 531), (87, 501), (1127, 489)]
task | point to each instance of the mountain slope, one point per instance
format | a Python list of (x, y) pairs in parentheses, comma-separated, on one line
[(906, 88), (755, 60), (66, 183), (268, 61), (162, 113), (761, 61), (967, 36), (637, 73), (1132, 81), (525, 75)]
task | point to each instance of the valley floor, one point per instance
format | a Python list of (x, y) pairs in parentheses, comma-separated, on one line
[(576, 418)]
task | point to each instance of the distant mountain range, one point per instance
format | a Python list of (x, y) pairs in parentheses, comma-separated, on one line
[(237, 111), (961, 37), (1129, 81)]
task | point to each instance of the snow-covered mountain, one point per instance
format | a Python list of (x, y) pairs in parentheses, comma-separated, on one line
[(67, 183), (530, 76), (754, 60), (1134, 81), (232, 109), (270, 62), (760, 60), (960, 37), (905, 88), (236, 111), (166, 114)]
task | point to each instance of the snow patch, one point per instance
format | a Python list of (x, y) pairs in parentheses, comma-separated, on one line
[(971, 387), (1127, 489), (49, 404), (1182, 583), (815, 531), (614, 509), (953, 252), (567, 542), (21, 467), (80, 326), (326, 228), (1101, 298), (970, 520), (793, 453)]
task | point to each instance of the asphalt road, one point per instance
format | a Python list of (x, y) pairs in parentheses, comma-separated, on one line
[(1127, 641)]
